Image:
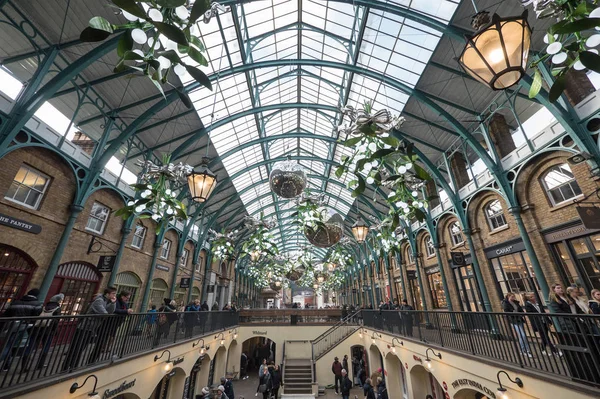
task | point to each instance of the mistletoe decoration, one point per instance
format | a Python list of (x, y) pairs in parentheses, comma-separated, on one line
[(310, 212), (222, 244), (568, 46), (387, 238), (334, 281), (260, 245), (163, 32), (339, 258), (382, 160), (154, 199)]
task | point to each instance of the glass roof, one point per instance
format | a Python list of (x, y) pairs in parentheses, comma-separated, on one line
[(309, 30)]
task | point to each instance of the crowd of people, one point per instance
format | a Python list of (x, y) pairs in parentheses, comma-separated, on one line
[(373, 387)]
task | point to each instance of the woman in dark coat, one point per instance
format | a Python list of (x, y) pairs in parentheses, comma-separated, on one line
[(368, 390)]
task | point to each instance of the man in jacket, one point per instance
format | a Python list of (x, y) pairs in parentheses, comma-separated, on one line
[(121, 309), (204, 307), (346, 385), (336, 369), (407, 318), (190, 317), (228, 385), (27, 306), (87, 327), (540, 324)]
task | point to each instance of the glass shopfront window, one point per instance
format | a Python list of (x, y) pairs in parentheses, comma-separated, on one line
[(415, 289), (514, 274), (434, 277), (470, 299)]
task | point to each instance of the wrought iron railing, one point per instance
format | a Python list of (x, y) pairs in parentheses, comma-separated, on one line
[(333, 336), (35, 348), (290, 316), (561, 344)]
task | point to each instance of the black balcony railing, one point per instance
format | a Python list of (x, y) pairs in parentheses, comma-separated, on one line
[(561, 344), (35, 348)]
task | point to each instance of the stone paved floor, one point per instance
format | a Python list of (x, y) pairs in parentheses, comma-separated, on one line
[(245, 389)]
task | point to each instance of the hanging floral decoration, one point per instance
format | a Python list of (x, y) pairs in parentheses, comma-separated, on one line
[(222, 244), (338, 259), (334, 281), (568, 46), (154, 198), (386, 239), (258, 276), (380, 159), (162, 32), (260, 245), (322, 226)]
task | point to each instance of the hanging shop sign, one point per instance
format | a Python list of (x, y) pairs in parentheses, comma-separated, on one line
[(178, 360), (570, 232), (474, 384), (459, 259), (185, 282), (106, 264), (590, 216), (109, 393), (432, 270), (506, 248), (411, 274), (162, 267), (20, 224)]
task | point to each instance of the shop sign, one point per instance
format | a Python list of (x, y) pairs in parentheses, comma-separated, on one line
[(109, 393), (504, 249), (171, 374), (210, 289), (184, 283), (20, 224), (459, 259), (432, 270), (106, 264), (470, 383), (259, 332), (163, 267), (590, 216), (411, 274), (178, 360), (570, 232), (417, 358)]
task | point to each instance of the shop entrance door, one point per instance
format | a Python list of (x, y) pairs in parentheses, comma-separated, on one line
[(467, 288), (16, 269)]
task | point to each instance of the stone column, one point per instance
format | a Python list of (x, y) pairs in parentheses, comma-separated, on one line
[(500, 135), (458, 168)]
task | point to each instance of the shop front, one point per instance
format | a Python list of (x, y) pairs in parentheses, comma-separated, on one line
[(438, 296), (415, 289), (512, 269), (576, 251), (466, 284)]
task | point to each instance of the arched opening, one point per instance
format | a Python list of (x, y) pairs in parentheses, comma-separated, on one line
[(375, 363), (395, 378), (195, 293), (127, 395), (257, 349), (78, 281), (360, 364), (218, 366), (233, 360), (469, 393), (16, 269), (198, 376), (424, 383), (170, 386), (129, 281), (158, 292)]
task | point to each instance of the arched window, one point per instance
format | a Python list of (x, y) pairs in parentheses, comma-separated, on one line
[(429, 247), (495, 214), (456, 234), (560, 184), (128, 281), (158, 292)]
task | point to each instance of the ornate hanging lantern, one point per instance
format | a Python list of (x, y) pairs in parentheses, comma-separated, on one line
[(287, 179), (496, 55), (202, 182), (360, 230)]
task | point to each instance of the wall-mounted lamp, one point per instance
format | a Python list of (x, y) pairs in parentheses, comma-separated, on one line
[(428, 360), (202, 347), (374, 336), (394, 346), (234, 331), (362, 330), (502, 392), (91, 395), (168, 364), (222, 342)]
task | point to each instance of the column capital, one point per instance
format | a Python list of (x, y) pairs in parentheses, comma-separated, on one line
[(76, 208), (515, 210)]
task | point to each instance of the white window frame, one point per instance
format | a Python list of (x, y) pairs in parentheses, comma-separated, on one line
[(184, 257), (142, 237), (429, 248), (29, 169), (557, 188), (496, 216), (199, 264), (165, 250), (457, 237), (411, 258), (104, 222)]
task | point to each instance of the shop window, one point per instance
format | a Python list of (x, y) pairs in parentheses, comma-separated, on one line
[(200, 263), (28, 187), (157, 293), (410, 257), (495, 215), (195, 293), (166, 249), (456, 234), (184, 258), (560, 184), (429, 247), (139, 236), (16, 269), (128, 281), (98, 217), (78, 281), (437, 289), (515, 274)]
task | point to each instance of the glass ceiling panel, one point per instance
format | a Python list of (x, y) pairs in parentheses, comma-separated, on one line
[(276, 30)]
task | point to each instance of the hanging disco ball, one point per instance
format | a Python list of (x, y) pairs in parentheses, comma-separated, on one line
[(329, 234), (274, 286), (295, 274), (287, 179)]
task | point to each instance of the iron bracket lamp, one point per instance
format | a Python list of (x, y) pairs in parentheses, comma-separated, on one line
[(428, 360), (501, 390), (222, 342), (375, 335), (235, 333), (168, 363), (202, 347), (93, 394), (394, 346)]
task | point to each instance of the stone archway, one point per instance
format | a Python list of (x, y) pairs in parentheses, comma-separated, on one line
[(198, 376), (359, 353), (233, 359), (220, 360), (424, 383), (468, 393), (171, 385), (375, 362), (395, 381)]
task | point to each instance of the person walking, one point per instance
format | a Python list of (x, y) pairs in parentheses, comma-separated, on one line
[(204, 306), (261, 372), (88, 327), (243, 366), (228, 384), (44, 331), (265, 384), (406, 318), (381, 389), (345, 363), (221, 392), (166, 317), (346, 385), (540, 325), (276, 378), (368, 390), (205, 393), (215, 307), (190, 317), (511, 305), (336, 369)]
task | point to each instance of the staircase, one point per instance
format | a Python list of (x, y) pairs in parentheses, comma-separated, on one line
[(298, 379), (333, 336)]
